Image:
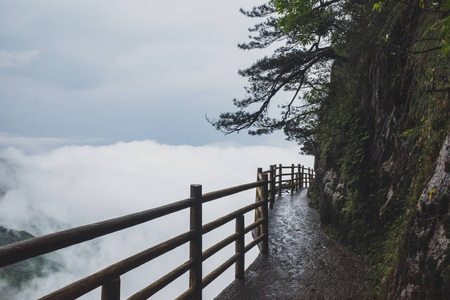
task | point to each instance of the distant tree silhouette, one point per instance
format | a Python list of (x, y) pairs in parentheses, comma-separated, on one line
[(307, 30)]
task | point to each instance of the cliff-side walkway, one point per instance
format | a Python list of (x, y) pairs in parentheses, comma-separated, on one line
[(303, 262)]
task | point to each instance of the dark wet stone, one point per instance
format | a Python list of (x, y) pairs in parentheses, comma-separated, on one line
[(303, 262)]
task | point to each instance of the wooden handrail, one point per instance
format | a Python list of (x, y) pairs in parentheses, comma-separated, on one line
[(26, 249), (230, 191), (267, 185), (155, 287), (219, 246), (87, 284), (225, 219)]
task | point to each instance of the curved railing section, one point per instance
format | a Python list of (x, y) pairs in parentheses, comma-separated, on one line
[(268, 184)]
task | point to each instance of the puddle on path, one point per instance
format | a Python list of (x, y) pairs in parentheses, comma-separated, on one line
[(303, 262)]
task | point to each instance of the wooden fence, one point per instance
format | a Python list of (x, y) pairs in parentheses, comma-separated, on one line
[(268, 184)]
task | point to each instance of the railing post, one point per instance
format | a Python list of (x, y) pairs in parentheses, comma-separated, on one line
[(292, 178), (280, 182), (195, 246), (240, 248), (299, 186), (303, 177), (265, 215), (272, 186), (305, 170), (309, 176), (111, 290), (258, 198)]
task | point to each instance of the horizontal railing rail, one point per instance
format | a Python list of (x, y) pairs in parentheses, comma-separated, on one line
[(26, 249), (267, 185)]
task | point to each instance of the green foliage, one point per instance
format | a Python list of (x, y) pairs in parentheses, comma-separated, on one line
[(378, 6), (285, 70), (308, 21), (435, 7), (302, 131), (306, 31)]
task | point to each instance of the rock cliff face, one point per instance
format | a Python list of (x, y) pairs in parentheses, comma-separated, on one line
[(382, 153), (424, 269)]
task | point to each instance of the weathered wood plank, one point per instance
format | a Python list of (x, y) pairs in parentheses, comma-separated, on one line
[(195, 246), (240, 248), (155, 287), (227, 218)]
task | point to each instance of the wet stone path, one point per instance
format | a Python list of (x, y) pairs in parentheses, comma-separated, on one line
[(303, 262)]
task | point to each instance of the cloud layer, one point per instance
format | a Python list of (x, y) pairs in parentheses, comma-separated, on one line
[(72, 186)]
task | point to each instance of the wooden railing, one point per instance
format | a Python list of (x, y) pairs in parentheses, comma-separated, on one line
[(267, 185)]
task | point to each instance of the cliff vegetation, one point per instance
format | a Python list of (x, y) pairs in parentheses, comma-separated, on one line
[(369, 97), (379, 137)]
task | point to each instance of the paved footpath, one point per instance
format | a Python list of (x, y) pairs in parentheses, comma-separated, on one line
[(303, 262)]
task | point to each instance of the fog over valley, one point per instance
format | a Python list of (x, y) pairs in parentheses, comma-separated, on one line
[(76, 185)]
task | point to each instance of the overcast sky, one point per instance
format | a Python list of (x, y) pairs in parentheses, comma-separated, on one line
[(102, 71)]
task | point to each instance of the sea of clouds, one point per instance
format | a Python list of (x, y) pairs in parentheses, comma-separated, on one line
[(71, 186)]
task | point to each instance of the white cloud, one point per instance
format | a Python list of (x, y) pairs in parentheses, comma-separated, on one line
[(10, 59), (76, 185)]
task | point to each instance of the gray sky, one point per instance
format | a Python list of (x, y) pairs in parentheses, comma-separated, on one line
[(106, 71)]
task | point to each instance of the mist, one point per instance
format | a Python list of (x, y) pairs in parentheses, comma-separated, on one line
[(77, 185)]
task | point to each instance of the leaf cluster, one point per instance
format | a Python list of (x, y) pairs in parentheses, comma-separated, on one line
[(304, 32)]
